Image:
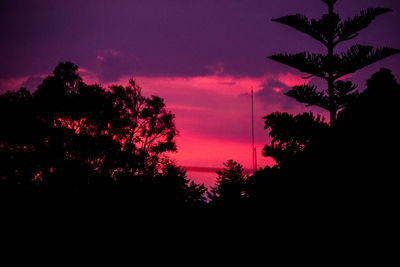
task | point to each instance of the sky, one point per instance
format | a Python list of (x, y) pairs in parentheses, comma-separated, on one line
[(202, 56)]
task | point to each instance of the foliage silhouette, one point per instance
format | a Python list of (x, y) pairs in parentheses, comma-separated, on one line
[(330, 30), (291, 134), (70, 143), (344, 184), (230, 185)]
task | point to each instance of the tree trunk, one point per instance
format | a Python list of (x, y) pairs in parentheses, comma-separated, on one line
[(332, 104), (330, 80)]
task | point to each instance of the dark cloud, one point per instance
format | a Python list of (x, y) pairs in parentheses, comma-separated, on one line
[(167, 38), (272, 95), (32, 83), (271, 98)]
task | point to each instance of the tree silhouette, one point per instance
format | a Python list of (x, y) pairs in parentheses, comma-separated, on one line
[(147, 127), (179, 188), (344, 184), (230, 186), (20, 136), (291, 134), (368, 133), (70, 141), (140, 127), (330, 30)]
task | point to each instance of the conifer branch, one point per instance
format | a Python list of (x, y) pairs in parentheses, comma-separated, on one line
[(314, 64), (349, 28), (360, 56), (302, 24), (310, 95)]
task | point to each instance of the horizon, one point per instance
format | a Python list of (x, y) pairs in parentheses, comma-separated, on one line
[(208, 169)]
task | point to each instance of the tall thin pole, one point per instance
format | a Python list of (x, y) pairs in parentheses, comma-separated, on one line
[(252, 131), (255, 160)]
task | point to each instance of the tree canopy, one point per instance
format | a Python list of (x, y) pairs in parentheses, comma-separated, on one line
[(68, 137)]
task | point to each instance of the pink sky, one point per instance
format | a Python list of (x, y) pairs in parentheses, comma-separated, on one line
[(202, 57), (213, 114)]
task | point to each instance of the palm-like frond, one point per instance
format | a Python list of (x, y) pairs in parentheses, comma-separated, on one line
[(358, 57), (344, 93), (342, 88), (310, 95), (350, 27), (314, 64), (321, 30), (302, 24), (327, 26)]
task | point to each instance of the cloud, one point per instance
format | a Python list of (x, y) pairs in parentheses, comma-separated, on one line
[(32, 82), (29, 82), (270, 92), (11, 84), (111, 64)]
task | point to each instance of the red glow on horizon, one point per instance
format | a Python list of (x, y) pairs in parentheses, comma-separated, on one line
[(199, 151), (206, 109)]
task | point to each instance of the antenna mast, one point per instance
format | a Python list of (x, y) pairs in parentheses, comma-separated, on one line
[(252, 133)]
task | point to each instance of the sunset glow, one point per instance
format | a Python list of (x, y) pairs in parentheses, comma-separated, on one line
[(222, 128), (203, 62)]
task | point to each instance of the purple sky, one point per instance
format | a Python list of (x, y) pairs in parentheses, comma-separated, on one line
[(201, 56)]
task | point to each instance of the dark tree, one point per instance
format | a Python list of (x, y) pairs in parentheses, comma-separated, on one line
[(369, 135), (291, 134), (345, 184), (144, 126), (21, 133), (115, 130), (231, 184), (330, 30), (174, 182), (73, 141)]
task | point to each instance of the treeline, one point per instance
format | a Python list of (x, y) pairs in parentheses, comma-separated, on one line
[(70, 143), (82, 151)]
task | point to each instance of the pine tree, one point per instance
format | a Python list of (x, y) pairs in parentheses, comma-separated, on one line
[(230, 185), (330, 30)]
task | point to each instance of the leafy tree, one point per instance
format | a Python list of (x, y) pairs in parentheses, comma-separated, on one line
[(368, 132), (20, 135), (330, 30), (347, 180), (144, 126), (231, 184), (291, 134), (69, 136), (115, 130)]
